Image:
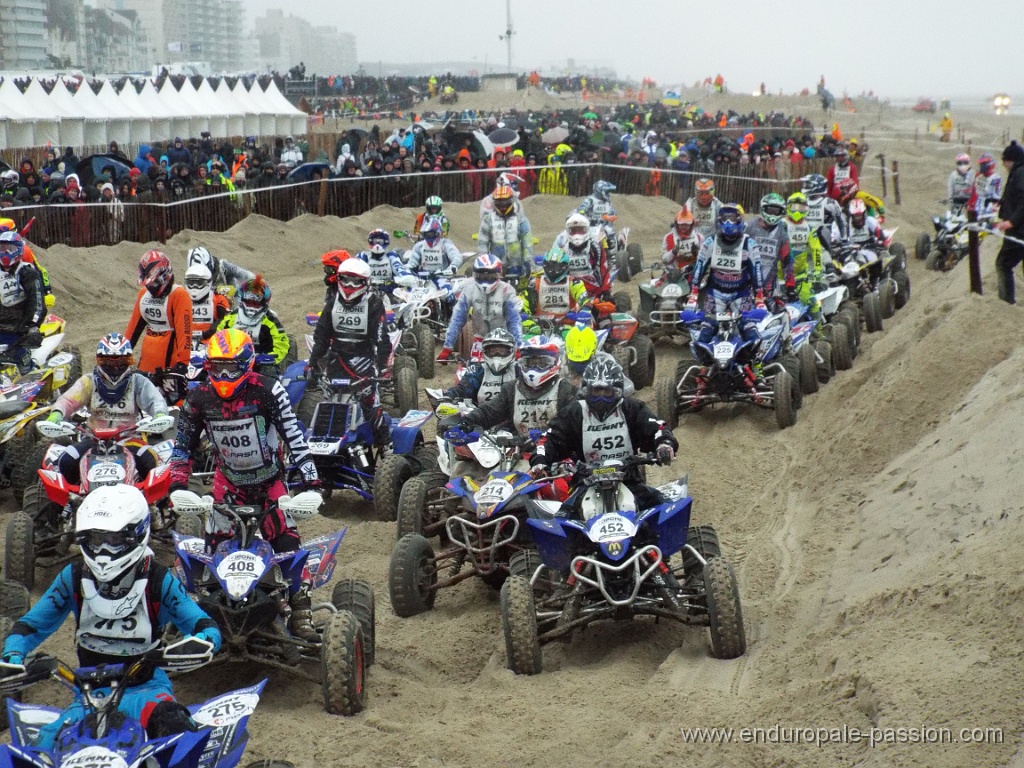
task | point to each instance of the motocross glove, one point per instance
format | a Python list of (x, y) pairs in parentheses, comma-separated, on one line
[(759, 301), (445, 355), (32, 338), (791, 294), (538, 471), (665, 454), (55, 417), (691, 302)]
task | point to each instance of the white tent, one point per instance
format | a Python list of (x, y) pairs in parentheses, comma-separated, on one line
[(175, 124), (118, 127), (192, 122), (295, 119), (155, 125), (263, 124), (48, 128), (238, 121), (136, 121), (208, 102), (94, 126), (19, 125)]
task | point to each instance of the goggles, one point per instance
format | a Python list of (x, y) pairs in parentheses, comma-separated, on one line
[(226, 370), (537, 362), (113, 543), (351, 281), (798, 207)]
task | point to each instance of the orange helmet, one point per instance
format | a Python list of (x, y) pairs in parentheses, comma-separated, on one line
[(684, 222), (503, 199), (7, 224), (230, 356), (705, 191), (332, 262)]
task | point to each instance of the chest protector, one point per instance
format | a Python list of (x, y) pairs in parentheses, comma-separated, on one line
[(380, 270), (534, 412), (729, 258), (504, 232), (431, 258), (605, 439), (203, 313), (351, 321), (11, 292), (598, 209), (859, 235), (115, 627), (799, 236), (491, 384), (109, 415), (579, 263), (553, 299), (816, 214), (703, 218), (242, 443), (155, 313), (842, 172)]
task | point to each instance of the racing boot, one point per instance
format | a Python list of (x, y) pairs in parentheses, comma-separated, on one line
[(300, 624), (382, 434)]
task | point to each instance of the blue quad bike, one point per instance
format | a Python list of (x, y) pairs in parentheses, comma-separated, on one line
[(600, 558), (244, 586), (104, 737), (478, 520), (341, 441), (725, 370)]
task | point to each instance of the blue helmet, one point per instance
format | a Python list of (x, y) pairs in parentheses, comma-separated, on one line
[(815, 185), (12, 248), (603, 189), (114, 367), (730, 222)]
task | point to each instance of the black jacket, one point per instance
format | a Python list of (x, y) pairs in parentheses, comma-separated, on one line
[(499, 411), (1011, 208), (373, 346)]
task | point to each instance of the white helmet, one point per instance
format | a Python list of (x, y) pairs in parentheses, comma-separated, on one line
[(199, 255), (577, 227), (198, 281), (112, 529), (499, 351)]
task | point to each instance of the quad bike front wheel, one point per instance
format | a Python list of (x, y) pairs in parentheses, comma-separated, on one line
[(922, 246), (356, 597), (519, 625), (19, 550), (412, 575), (785, 407), (728, 635), (635, 258), (343, 665), (667, 401)]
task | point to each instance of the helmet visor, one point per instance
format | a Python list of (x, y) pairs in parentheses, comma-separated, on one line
[(578, 230), (112, 543), (252, 301), (773, 210), (497, 350), (226, 370), (798, 207), (8, 247), (114, 367), (197, 283), (433, 210), (486, 276), (535, 362), (734, 216)]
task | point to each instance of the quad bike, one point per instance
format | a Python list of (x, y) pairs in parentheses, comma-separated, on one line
[(245, 587), (423, 314), (627, 257), (632, 350), (43, 532), (616, 564), (949, 245), (661, 300), (106, 738), (724, 373), (341, 443), (482, 527), (66, 366), (876, 280)]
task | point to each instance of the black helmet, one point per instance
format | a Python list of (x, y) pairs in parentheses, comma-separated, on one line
[(603, 385)]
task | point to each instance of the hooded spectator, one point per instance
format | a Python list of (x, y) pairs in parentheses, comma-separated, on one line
[(144, 159), (115, 149), (70, 160), (178, 152)]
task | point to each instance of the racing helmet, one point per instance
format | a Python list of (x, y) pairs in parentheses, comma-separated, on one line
[(841, 155), (602, 190), (353, 280), (230, 356), (114, 367), (112, 529), (499, 350), (12, 248), (603, 385), (730, 222), (963, 163), (577, 228), (773, 208), (580, 348), (556, 265), (332, 261), (431, 230), (155, 272), (684, 223), (815, 186), (847, 189), (434, 204), (201, 255), (858, 212), (504, 199), (487, 272), (986, 164), (254, 301), (198, 282), (379, 241), (796, 207), (538, 362), (705, 191)]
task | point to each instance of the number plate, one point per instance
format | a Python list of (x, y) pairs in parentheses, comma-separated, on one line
[(493, 492), (227, 710), (323, 447), (612, 528), (724, 351), (672, 291), (94, 757), (239, 571), (101, 474)]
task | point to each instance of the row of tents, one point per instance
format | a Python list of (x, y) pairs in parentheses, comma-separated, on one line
[(63, 118)]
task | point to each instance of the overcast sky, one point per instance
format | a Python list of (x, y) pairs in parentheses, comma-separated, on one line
[(902, 48)]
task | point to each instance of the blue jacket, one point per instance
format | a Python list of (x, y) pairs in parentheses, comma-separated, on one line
[(141, 162)]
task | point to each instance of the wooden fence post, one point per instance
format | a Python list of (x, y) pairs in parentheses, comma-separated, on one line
[(974, 252), (321, 204), (881, 157), (896, 180)]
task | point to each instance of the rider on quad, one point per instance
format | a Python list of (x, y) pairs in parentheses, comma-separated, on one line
[(842, 169), (588, 260), (505, 232), (598, 208), (385, 264), (772, 238), (681, 245), (864, 230), (486, 300), (432, 210), (208, 307), (162, 319), (960, 183), (22, 303), (483, 380), (248, 418), (351, 336), (225, 274), (434, 254), (260, 322), (704, 206), (604, 424), (116, 396), (987, 190), (732, 262), (802, 265), (122, 599), (823, 212), (554, 293)]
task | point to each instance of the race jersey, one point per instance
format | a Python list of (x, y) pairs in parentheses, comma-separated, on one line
[(12, 293), (491, 384), (553, 299), (605, 439), (534, 412), (121, 626), (705, 217), (351, 321), (155, 313)]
